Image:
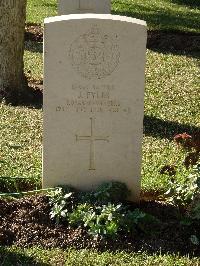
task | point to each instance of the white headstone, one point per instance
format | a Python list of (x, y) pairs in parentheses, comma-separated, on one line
[(93, 100), (66, 7)]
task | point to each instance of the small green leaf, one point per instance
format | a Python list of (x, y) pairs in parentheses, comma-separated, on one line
[(194, 239)]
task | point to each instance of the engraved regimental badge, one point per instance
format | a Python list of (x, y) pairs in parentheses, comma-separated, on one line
[(94, 55)]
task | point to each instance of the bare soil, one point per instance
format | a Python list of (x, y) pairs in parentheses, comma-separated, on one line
[(25, 222), (33, 32)]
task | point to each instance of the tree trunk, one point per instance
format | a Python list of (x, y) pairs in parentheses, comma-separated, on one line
[(12, 24)]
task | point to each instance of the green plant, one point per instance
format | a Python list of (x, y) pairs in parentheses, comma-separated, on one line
[(97, 217), (112, 191), (58, 211), (189, 196), (81, 214), (107, 222), (99, 221), (192, 221), (195, 212), (59, 202), (87, 196), (195, 240), (138, 220), (182, 194)]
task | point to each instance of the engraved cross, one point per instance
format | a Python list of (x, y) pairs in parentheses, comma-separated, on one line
[(82, 8), (92, 138)]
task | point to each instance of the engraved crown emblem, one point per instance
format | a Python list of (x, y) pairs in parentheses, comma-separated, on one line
[(94, 55)]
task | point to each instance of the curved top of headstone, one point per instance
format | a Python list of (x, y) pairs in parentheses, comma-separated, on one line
[(94, 16)]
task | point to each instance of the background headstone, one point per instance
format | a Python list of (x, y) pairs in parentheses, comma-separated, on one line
[(93, 100), (66, 7)]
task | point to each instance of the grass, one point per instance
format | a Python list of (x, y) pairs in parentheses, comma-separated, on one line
[(167, 15), (37, 10), (37, 256), (20, 143), (176, 15), (172, 105), (33, 64), (172, 88)]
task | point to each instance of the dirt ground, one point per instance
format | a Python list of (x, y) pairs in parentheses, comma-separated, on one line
[(25, 222)]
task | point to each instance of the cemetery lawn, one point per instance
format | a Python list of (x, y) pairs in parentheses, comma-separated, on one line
[(172, 15), (172, 106), (71, 257)]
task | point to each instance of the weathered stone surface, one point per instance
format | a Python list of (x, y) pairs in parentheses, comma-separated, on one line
[(93, 100), (66, 7)]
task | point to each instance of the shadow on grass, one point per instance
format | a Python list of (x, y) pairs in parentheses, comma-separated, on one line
[(163, 18), (158, 41), (162, 41), (176, 43), (17, 184), (34, 47), (189, 3), (159, 128), (31, 97), (9, 258)]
